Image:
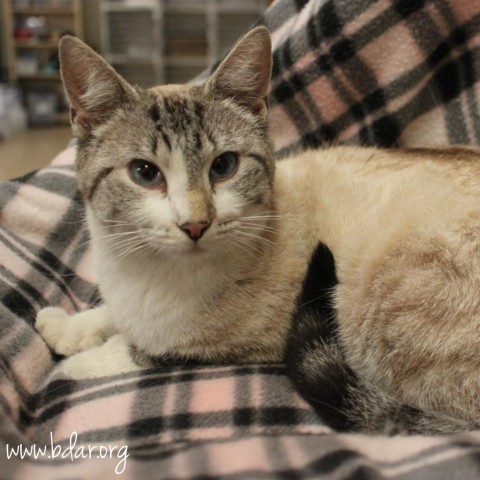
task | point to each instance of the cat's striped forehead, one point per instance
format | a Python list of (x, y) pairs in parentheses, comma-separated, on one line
[(181, 134), (191, 128), (179, 121)]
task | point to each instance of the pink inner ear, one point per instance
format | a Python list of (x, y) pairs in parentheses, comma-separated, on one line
[(84, 72)]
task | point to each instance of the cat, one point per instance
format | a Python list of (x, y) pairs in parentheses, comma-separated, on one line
[(360, 267)]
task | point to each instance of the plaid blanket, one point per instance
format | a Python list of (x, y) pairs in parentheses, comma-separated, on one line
[(386, 72)]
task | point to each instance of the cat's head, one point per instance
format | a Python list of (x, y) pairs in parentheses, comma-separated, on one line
[(181, 167)]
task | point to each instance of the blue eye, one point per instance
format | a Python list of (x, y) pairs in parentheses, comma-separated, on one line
[(224, 166), (145, 173)]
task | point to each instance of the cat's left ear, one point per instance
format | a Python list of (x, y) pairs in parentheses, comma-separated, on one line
[(93, 87), (244, 75)]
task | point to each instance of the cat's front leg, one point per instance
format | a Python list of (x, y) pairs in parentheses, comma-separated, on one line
[(68, 335), (112, 358)]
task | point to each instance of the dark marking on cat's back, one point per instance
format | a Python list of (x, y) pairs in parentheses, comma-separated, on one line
[(98, 180), (316, 295), (313, 355)]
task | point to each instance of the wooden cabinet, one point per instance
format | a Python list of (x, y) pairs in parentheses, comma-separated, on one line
[(33, 29)]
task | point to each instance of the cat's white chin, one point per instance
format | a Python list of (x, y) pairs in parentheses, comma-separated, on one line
[(189, 250), (195, 249)]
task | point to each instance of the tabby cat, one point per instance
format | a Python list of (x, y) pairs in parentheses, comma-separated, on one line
[(359, 266)]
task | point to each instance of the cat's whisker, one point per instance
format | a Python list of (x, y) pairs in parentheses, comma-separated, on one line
[(122, 222), (86, 242), (258, 228), (236, 245), (133, 248), (125, 244), (118, 237), (112, 236), (259, 223), (250, 245), (116, 224), (257, 237), (122, 243), (262, 215), (243, 245), (75, 222), (266, 212)]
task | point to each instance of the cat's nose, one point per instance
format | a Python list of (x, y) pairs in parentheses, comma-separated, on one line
[(194, 231)]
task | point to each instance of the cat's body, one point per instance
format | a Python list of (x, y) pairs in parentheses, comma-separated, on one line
[(404, 232), (203, 253)]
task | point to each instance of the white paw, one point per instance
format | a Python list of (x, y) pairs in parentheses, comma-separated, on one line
[(69, 335), (51, 324), (111, 358)]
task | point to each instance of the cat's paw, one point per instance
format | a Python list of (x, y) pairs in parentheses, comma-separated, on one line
[(69, 335), (111, 358), (51, 324)]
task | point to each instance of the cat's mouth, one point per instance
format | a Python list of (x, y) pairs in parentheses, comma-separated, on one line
[(194, 249)]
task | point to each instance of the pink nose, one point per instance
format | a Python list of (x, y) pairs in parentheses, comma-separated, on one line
[(194, 231)]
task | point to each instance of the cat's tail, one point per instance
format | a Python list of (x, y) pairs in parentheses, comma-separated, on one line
[(317, 367), (347, 403)]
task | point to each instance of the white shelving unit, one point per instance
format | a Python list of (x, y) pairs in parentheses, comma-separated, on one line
[(151, 42)]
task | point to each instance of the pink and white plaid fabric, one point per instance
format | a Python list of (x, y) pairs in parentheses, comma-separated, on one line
[(376, 72)]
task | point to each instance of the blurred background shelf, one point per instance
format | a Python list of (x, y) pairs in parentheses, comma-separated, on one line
[(180, 37), (32, 31), (43, 9), (36, 44), (149, 42)]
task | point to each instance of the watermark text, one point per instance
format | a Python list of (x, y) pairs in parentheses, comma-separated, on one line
[(72, 452)]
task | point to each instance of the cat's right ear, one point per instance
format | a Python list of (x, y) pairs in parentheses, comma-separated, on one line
[(244, 75), (93, 87)]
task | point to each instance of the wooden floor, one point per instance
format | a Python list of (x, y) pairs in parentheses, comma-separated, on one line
[(31, 149)]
